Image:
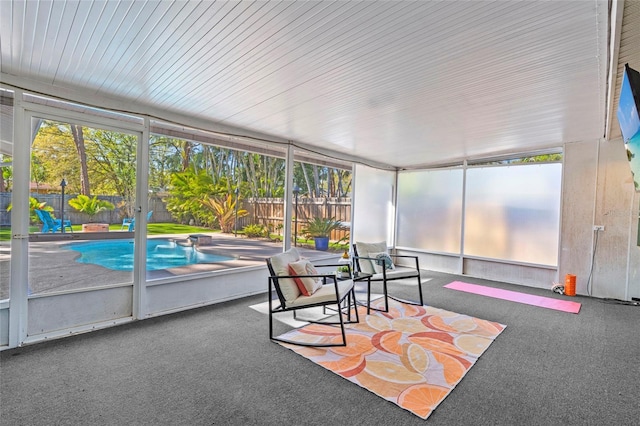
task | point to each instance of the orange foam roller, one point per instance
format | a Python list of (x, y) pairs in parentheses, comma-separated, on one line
[(570, 285)]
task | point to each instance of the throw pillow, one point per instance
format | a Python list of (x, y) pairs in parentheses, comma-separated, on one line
[(384, 262), (367, 250), (306, 285), (280, 265)]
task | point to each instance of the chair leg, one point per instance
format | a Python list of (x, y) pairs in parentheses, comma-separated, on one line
[(344, 334), (410, 302), (369, 297), (351, 302), (355, 304), (385, 291), (386, 298), (270, 313), (316, 345)]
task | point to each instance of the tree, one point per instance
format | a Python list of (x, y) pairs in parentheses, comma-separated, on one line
[(113, 164), (78, 139), (185, 192), (164, 160), (38, 172), (89, 159), (256, 175), (6, 173), (318, 181), (263, 174), (539, 159), (54, 148), (340, 182)]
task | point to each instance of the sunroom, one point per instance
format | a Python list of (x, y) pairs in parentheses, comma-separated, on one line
[(436, 111)]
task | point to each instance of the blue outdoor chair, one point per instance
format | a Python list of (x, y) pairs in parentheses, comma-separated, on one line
[(132, 223), (49, 224), (126, 222)]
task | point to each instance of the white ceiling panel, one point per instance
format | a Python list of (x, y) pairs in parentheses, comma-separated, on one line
[(403, 83)]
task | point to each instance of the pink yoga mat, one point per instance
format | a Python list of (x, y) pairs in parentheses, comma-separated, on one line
[(514, 296)]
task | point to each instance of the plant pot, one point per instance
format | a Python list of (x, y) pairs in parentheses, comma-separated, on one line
[(321, 243), (95, 227)]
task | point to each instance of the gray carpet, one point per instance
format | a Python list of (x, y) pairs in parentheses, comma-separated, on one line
[(216, 366)]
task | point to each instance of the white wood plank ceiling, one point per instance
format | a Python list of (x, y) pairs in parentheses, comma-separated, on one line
[(402, 83)]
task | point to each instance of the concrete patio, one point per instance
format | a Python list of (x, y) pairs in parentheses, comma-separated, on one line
[(53, 269)]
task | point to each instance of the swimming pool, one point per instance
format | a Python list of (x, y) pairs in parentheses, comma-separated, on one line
[(162, 253)]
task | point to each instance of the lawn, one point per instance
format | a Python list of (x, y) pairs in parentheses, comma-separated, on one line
[(152, 229), (175, 228)]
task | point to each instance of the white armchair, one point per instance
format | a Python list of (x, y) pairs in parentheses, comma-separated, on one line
[(375, 259), (298, 285)]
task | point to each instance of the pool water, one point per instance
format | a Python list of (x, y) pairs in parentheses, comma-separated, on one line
[(162, 253)]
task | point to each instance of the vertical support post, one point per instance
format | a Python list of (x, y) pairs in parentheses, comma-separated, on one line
[(288, 193), (296, 191), (63, 184), (140, 237), (463, 223), (19, 267), (235, 221)]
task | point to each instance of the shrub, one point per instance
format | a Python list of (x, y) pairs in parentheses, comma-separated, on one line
[(224, 210), (33, 205), (90, 206), (254, 231)]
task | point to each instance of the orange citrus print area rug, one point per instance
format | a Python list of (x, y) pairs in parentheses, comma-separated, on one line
[(412, 356)]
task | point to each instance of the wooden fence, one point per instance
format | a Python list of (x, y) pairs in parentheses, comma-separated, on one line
[(156, 204), (268, 212)]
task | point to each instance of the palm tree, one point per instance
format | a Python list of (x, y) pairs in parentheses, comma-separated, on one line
[(224, 209), (90, 206)]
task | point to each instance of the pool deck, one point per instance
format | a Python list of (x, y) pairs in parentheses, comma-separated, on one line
[(52, 269)]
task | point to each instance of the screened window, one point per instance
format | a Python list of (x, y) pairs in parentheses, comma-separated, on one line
[(373, 207), (430, 210), (512, 213)]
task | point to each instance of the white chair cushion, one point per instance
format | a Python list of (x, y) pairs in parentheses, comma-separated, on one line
[(325, 293), (366, 250), (280, 264), (306, 285)]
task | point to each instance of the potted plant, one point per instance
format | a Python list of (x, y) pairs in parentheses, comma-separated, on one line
[(91, 207), (320, 230), (343, 271)]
